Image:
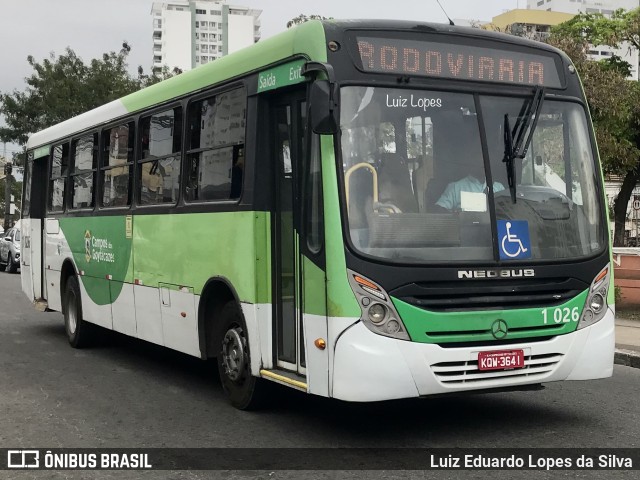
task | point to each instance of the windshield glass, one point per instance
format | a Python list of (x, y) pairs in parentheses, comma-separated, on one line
[(416, 184)]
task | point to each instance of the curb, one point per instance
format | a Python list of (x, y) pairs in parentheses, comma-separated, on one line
[(627, 358)]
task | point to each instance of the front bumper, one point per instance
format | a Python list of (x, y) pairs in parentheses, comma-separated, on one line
[(370, 367)]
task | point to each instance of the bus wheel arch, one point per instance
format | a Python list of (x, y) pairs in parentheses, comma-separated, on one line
[(223, 334), (217, 292), (67, 271)]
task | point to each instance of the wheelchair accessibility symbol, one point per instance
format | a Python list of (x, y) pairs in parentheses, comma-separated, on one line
[(514, 239)]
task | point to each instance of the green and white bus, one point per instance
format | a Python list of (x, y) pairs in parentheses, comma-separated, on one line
[(363, 210)]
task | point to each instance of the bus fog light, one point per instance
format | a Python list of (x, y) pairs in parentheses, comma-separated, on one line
[(597, 303), (377, 312), (587, 316), (393, 326)]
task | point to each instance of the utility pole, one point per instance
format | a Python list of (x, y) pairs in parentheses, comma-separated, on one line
[(7, 190)]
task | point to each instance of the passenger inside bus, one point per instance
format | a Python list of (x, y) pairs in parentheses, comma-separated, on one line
[(395, 189)]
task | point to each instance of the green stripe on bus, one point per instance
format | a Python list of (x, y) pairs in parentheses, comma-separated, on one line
[(341, 302), (184, 250), (475, 326), (314, 297), (101, 250)]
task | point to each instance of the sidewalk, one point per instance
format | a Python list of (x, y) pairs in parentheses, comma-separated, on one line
[(627, 340)]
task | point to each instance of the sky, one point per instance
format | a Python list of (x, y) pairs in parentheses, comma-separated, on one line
[(92, 27)]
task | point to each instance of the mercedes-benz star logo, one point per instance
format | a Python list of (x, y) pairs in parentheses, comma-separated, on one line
[(499, 329)]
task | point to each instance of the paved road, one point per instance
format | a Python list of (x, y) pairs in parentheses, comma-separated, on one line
[(127, 393)]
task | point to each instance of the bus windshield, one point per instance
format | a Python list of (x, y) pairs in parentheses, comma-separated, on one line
[(415, 178)]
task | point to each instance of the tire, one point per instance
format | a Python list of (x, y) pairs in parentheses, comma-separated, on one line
[(11, 266), (2, 266), (79, 332), (245, 392)]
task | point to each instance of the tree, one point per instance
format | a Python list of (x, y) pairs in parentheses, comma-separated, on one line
[(304, 18), (157, 75), (64, 86), (614, 101), (16, 191)]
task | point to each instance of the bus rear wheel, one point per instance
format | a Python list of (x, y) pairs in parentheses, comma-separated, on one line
[(244, 391), (79, 332)]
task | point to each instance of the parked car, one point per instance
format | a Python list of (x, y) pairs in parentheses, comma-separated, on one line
[(10, 250)]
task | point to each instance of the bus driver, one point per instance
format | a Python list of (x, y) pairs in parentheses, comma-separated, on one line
[(474, 182)]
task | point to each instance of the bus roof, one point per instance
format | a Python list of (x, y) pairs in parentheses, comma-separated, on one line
[(307, 39), (441, 28)]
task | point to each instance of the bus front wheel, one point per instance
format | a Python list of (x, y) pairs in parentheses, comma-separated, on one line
[(244, 391), (79, 332)]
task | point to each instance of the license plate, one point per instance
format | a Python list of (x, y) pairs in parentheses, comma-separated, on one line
[(501, 360)]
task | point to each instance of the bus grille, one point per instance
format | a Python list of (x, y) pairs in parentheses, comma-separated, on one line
[(489, 295), (467, 373), (523, 332)]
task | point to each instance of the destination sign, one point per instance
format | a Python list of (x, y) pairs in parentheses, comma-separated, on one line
[(456, 61)]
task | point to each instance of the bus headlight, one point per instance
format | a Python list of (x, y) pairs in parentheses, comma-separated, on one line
[(596, 305), (378, 312), (597, 302)]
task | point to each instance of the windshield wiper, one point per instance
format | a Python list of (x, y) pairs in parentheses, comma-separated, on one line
[(515, 145)]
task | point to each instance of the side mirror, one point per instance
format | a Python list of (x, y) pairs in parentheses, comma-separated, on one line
[(323, 107)]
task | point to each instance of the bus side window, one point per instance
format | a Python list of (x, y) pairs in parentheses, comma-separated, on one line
[(84, 157), (58, 179), (117, 159), (313, 198), (215, 152), (160, 163)]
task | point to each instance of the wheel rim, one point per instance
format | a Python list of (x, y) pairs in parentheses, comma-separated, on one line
[(234, 354), (72, 313)]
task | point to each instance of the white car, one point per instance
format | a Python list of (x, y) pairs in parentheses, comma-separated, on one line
[(10, 250)]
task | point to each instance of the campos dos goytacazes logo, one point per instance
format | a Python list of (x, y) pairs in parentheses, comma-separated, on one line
[(87, 246)]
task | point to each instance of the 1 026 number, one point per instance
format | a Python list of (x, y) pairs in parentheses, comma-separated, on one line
[(561, 315)]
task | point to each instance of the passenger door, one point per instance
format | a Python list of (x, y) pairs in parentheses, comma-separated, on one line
[(32, 223), (299, 300), (286, 302)]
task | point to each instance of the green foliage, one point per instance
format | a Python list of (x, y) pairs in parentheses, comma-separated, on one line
[(614, 100), (63, 86), (304, 18), (596, 29), (16, 191), (157, 75), (617, 64)]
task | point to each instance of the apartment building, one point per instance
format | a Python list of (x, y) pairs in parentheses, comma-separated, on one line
[(189, 33), (605, 7), (532, 24)]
